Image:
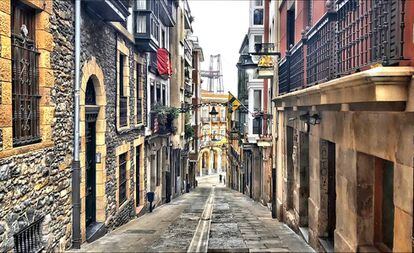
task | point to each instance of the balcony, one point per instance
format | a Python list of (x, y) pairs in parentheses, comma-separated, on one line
[(168, 12), (160, 125), (146, 31), (109, 10), (350, 39)]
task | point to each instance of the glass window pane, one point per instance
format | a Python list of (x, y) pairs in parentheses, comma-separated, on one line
[(258, 17), (141, 24), (257, 100), (141, 4)]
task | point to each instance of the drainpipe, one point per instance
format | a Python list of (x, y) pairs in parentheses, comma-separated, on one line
[(76, 205)]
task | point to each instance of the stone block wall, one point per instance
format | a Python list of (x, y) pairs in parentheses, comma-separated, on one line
[(101, 41), (360, 138), (35, 179)]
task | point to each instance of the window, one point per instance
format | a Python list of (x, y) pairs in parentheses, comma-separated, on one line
[(139, 85), (152, 93), (309, 9), (205, 112), (257, 96), (123, 100), (258, 39), (158, 93), (164, 100), (158, 168), (290, 38), (25, 86), (259, 2), (163, 43), (258, 17), (141, 4), (141, 23), (257, 125), (384, 204), (122, 191), (154, 27)]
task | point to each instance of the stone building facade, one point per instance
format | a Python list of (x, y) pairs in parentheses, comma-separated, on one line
[(36, 165), (344, 125), (35, 175), (113, 81), (212, 156)]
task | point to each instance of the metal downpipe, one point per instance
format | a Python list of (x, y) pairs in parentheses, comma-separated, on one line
[(76, 178)]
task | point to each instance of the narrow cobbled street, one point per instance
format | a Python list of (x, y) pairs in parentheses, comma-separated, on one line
[(211, 218)]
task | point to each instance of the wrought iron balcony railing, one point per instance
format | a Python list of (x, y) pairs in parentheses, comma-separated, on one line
[(354, 36)]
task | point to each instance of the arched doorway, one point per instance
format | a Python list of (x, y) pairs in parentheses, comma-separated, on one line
[(91, 114)]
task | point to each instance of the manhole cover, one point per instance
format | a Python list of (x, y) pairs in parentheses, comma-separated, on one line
[(141, 231)]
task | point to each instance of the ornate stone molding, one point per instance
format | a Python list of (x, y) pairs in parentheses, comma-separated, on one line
[(381, 84)]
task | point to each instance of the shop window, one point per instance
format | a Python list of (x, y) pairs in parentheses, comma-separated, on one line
[(25, 86), (122, 191)]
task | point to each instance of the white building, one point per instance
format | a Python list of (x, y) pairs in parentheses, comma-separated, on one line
[(255, 85)]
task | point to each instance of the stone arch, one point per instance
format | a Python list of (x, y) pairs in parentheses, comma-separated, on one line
[(91, 72), (209, 154)]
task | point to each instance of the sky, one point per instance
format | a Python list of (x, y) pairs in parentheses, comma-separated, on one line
[(221, 26)]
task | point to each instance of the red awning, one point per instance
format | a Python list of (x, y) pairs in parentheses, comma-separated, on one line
[(163, 62)]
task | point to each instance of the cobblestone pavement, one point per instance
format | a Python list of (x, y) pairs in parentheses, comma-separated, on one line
[(236, 224)]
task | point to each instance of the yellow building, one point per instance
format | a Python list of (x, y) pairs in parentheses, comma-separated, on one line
[(213, 134)]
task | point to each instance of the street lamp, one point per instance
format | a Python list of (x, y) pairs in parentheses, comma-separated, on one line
[(246, 62), (213, 111)]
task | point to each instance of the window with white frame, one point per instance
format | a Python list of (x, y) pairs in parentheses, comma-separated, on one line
[(257, 103)]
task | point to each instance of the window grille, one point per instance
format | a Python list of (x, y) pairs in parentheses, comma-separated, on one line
[(25, 87)]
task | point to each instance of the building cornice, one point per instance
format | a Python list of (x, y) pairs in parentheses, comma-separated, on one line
[(381, 84)]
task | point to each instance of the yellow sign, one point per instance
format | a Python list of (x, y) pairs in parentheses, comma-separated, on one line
[(234, 102), (266, 61)]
